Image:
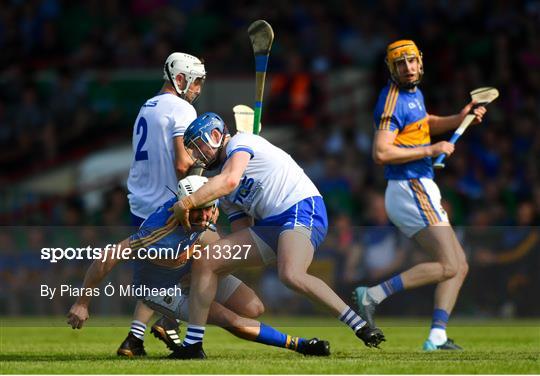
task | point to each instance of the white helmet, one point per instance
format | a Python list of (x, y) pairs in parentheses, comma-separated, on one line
[(192, 184), (181, 63)]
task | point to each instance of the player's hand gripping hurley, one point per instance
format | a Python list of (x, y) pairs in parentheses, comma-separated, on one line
[(482, 96), (261, 34)]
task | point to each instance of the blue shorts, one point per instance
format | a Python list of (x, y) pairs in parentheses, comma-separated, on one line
[(136, 221), (308, 216)]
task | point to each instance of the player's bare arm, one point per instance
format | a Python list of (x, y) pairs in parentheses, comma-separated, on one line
[(182, 160), (386, 152), (442, 124), (219, 186), (95, 274)]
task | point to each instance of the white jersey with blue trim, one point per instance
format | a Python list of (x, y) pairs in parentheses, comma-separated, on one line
[(272, 181), (160, 119)]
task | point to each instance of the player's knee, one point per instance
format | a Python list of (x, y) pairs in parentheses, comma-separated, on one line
[(449, 270), (291, 279), (254, 309), (463, 268), (203, 266)]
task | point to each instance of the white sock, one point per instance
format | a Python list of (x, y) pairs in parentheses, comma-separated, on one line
[(351, 318), (437, 336), (376, 293), (138, 328), (194, 334)]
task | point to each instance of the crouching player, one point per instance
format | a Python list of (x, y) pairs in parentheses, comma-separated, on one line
[(235, 305), (262, 182)]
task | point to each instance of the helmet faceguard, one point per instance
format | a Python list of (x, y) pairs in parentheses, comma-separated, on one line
[(401, 50), (187, 65), (190, 185), (198, 139)]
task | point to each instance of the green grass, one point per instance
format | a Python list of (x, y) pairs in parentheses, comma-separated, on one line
[(492, 347)]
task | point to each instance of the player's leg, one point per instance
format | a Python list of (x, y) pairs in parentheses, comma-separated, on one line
[(446, 295), (253, 330), (438, 240), (414, 206), (243, 300), (224, 312), (448, 271), (295, 253), (205, 274), (133, 345)]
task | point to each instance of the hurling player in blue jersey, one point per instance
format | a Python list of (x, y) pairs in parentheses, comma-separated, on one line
[(413, 201), (235, 305)]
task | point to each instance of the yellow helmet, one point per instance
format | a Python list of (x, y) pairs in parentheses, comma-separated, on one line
[(400, 50)]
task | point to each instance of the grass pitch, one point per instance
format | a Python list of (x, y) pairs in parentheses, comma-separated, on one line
[(493, 347)]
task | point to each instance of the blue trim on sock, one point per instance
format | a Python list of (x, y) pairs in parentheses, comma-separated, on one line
[(386, 288), (345, 314), (439, 319), (397, 283), (392, 285), (194, 330), (270, 336)]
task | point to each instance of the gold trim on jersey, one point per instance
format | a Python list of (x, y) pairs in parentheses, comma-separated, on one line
[(158, 234), (389, 107)]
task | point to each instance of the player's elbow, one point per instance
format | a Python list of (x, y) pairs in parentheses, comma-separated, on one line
[(230, 182), (181, 169), (379, 156)]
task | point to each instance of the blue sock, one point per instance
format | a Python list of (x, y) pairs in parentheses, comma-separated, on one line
[(384, 290), (439, 319), (194, 334), (272, 337)]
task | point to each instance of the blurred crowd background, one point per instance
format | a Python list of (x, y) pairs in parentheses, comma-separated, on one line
[(74, 74)]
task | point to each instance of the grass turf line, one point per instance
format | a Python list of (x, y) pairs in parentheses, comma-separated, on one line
[(492, 348)]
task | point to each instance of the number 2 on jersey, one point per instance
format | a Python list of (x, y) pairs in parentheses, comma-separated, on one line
[(142, 127)]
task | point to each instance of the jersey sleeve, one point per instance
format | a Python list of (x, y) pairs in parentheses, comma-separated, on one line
[(233, 211), (157, 226), (182, 116), (385, 116), (240, 142)]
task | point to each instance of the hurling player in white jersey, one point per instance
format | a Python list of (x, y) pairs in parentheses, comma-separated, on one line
[(160, 159), (258, 182)]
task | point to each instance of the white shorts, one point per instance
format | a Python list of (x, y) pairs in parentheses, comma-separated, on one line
[(177, 307), (414, 204)]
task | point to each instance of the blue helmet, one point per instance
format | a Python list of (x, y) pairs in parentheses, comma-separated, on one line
[(201, 128)]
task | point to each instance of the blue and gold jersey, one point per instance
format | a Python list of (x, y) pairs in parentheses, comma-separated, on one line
[(404, 113), (161, 232)]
